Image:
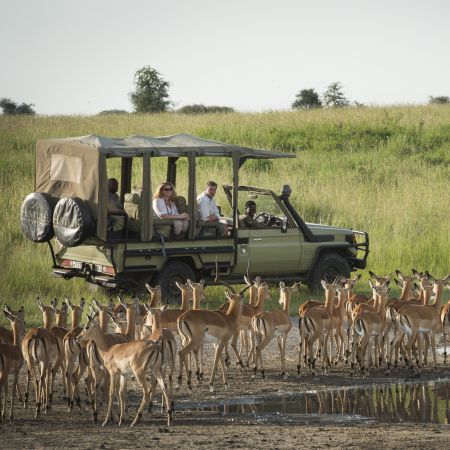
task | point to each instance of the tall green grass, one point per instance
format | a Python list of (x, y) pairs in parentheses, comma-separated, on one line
[(382, 170)]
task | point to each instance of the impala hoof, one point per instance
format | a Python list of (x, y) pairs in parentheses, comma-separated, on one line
[(211, 388)]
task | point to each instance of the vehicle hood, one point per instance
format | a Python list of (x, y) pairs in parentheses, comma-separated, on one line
[(326, 229)]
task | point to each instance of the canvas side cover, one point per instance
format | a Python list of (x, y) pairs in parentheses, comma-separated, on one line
[(66, 168)]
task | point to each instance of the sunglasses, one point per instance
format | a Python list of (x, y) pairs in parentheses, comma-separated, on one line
[(168, 189)]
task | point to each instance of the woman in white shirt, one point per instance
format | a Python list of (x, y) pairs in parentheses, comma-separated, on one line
[(165, 208)]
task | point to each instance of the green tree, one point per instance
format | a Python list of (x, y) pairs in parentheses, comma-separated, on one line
[(307, 99), (151, 91), (334, 96), (10, 108), (439, 100)]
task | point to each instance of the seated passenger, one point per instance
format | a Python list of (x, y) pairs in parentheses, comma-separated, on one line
[(209, 213), (248, 218), (165, 208), (114, 205)]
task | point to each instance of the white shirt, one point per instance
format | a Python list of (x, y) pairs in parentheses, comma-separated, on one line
[(160, 207), (207, 207)]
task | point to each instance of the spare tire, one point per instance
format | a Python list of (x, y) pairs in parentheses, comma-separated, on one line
[(36, 217), (72, 221)]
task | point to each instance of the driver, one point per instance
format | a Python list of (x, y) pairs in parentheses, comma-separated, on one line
[(248, 219)]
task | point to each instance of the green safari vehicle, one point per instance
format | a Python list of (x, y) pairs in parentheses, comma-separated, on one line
[(68, 211)]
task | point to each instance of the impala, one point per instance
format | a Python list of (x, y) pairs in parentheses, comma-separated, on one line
[(276, 323), (40, 348), (168, 346), (136, 357), (316, 324), (415, 319), (73, 351), (370, 324), (11, 361), (202, 326)]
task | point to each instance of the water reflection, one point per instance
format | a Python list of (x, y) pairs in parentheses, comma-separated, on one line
[(393, 402)]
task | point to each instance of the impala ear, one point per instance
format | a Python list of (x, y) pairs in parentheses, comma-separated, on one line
[(323, 283), (228, 295), (110, 305), (82, 303), (358, 277), (282, 284), (68, 303), (54, 304), (40, 304), (371, 284), (180, 286), (399, 274), (398, 283)]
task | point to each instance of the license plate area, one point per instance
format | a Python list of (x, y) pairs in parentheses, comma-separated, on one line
[(77, 264)]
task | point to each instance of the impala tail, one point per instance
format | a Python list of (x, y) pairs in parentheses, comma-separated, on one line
[(405, 324), (360, 328)]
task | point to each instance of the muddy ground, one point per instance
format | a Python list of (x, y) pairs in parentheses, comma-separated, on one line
[(194, 427)]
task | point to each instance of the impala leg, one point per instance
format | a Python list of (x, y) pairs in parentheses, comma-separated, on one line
[(3, 397), (112, 385), (219, 349), (122, 395), (140, 378), (234, 347)]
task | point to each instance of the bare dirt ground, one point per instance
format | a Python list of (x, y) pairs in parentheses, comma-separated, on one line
[(194, 427)]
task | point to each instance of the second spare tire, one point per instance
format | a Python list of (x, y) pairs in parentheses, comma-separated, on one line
[(72, 221), (36, 217)]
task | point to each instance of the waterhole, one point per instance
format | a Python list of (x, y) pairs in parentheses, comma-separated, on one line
[(408, 402)]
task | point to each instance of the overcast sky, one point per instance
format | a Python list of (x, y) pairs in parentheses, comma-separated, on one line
[(79, 57)]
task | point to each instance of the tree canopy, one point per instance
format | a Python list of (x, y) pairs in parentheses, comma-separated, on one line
[(439, 100), (334, 96), (151, 94), (10, 107), (307, 99)]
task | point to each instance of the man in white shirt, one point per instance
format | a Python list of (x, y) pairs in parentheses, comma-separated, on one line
[(209, 213)]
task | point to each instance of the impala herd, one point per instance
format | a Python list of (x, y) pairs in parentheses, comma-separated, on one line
[(347, 328)]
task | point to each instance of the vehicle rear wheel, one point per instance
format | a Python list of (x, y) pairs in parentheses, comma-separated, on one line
[(175, 271), (328, 267)]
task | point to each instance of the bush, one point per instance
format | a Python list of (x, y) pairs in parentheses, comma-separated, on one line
[(203, 109), (109, 112)]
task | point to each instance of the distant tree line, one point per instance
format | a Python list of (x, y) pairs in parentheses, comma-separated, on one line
[(151, 95), (10, 107), (333, 97)]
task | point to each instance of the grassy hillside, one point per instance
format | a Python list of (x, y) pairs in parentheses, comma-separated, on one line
[(383, 170)]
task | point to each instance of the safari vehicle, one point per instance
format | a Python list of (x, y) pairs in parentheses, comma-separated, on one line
[(68, 211)]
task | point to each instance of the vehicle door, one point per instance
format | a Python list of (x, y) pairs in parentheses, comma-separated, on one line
[(276, 247)]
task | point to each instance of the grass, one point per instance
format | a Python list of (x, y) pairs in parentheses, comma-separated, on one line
[(382, 170)]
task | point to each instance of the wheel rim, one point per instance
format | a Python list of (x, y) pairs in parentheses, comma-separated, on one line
[(172, 289), (330, 274)]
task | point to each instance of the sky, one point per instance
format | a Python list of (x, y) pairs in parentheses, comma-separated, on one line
[(79, 57)]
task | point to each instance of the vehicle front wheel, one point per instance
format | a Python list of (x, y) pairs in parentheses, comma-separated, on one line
[(328, 267), (175, 271)]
